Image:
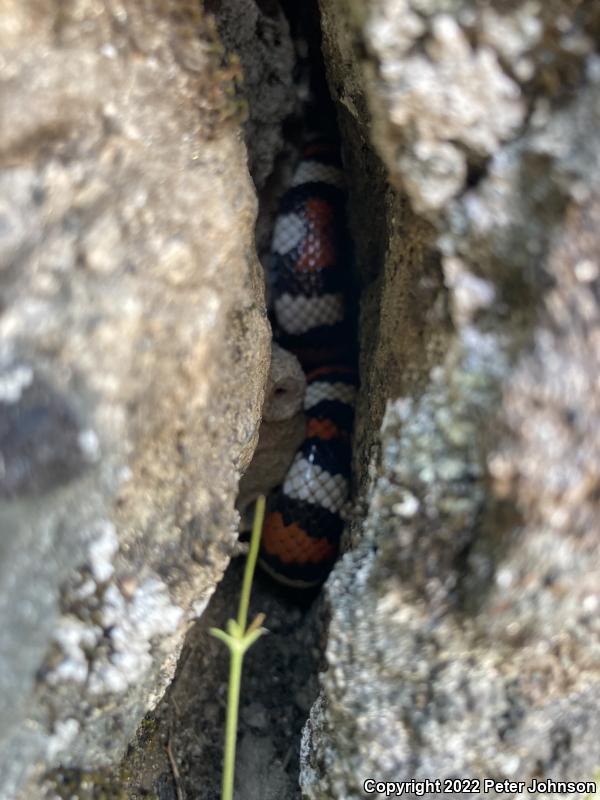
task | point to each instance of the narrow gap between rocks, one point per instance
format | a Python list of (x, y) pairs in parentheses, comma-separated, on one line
[(178, 754)]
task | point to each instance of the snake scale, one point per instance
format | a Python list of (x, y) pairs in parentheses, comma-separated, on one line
[(311, 299)]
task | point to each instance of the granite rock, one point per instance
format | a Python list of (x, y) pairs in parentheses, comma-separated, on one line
[(464, 630), (134, 352)]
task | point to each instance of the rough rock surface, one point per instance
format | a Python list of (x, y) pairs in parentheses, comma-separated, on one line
[(258, 34), (464, 638), (134, 351), (282, 428), (279, 685)]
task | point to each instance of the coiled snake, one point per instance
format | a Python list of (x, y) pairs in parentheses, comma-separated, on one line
[(311, 291)]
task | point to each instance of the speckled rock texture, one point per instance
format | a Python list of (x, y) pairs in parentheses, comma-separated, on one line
[(279, 685), (464, 636), (134, 353), (258, 34)]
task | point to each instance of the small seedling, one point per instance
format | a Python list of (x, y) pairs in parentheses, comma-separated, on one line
[(238, 639)]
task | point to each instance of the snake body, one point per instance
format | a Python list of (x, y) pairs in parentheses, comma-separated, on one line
[(310, 293)]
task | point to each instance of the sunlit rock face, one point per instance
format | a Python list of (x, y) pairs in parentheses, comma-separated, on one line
[(134, 352), (464, 635)]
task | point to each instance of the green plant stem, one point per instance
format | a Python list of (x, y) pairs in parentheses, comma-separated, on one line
[(238, 639), (259, 515), (233, 704)]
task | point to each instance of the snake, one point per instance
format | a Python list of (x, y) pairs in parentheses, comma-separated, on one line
[(311, 296)]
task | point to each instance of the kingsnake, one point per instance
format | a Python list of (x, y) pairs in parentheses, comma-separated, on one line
[(310, 288)]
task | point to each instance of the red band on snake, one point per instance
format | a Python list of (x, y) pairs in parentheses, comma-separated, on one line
[(311, 283)]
